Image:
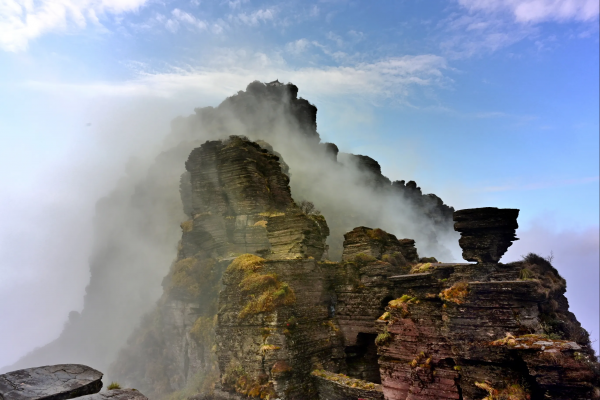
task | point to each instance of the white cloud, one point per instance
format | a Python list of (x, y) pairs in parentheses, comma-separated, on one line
[(298, 46), (24, 20), (255, 18), (188, 19), (490, 25), (336, 39), (534, 11), (231, 70)]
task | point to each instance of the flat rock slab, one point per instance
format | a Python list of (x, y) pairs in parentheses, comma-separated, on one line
[(52, 382), (116, 394)]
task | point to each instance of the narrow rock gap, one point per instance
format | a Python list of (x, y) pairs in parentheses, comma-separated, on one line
[(362, 359)]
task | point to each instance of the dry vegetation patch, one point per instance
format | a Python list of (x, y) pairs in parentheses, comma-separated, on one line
[(345, 380), (456, 293)]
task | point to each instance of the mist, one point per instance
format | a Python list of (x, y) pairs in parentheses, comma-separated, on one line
[(136, 226), (136, 220)]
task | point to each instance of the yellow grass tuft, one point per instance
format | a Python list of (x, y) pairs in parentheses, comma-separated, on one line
[(187, 226), (456, 293), (247, 263)]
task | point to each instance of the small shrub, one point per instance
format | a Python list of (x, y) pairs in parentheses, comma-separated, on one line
[(308, 208), (377, 234), (525, 274), (456, 293), (428, 260), (114, 386), (383, 338), (187, 226)]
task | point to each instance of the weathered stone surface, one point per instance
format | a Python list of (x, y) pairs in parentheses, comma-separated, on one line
[(52, 382), (459, 329), (116, 394), (338, 387), (240, 203), (376, 243), (486, 233)]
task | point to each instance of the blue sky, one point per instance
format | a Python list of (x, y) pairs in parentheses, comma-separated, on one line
[(483, 102)]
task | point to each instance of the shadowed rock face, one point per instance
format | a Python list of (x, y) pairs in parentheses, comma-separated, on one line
[(53, 382), (486, 233)]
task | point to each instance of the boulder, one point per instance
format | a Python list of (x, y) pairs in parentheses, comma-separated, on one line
[(52, 382), (117, 394)]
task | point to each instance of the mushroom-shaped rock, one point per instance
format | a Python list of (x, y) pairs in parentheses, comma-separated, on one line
[(52, 382), (486, 233), (117, 394)]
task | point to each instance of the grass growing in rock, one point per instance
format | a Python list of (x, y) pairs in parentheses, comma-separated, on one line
[(114, 386), (187, 226), (203, 329), (236, 378), (383, 338), (402, 303), (510, 392), (421, 268), (246, 263), (345, 380), (456, 293), (264, 292)]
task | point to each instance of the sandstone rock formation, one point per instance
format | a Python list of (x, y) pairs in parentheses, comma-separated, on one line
[(240, 203), (251, 309), (486, 233), (137, 225)]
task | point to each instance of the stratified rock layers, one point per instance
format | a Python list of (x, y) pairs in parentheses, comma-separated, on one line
[(486, 233), (252, 309), (239, 203)]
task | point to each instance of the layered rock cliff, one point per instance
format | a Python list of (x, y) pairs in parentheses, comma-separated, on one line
[(269, 298), (137, 225), (252, 308)]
